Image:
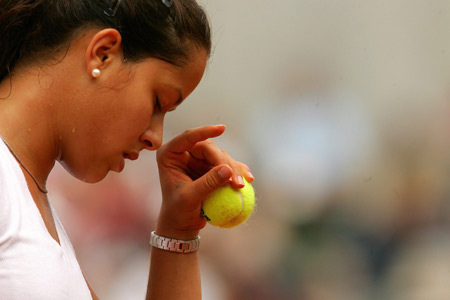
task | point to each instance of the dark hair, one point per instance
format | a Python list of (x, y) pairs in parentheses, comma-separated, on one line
[(30, 29)]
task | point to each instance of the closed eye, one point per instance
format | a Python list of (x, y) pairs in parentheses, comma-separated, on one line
[(157, 103)]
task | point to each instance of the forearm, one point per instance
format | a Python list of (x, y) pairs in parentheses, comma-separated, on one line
[(191, 167), (173, 275)]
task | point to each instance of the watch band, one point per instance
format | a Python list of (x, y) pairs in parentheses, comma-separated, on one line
[(174, 245)]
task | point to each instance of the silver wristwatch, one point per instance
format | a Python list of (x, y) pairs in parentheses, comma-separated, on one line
[(173, 245)]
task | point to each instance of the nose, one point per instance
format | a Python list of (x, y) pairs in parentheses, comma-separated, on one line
[(152, 137)]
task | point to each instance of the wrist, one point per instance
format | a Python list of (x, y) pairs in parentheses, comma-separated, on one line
[(174, 245), (168, 231)]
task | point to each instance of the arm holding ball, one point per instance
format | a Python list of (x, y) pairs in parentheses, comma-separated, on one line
[(191, 167)]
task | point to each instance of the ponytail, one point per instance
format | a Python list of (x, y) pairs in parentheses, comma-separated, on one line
[(33, 30), (17, 21)]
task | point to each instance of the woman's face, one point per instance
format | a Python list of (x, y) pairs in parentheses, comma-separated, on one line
[(124, 114)]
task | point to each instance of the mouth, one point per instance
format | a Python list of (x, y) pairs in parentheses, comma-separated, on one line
[(130, 155), (121, 165), (126, 155)]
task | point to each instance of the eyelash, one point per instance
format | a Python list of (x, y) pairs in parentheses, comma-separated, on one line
[(157, 103)]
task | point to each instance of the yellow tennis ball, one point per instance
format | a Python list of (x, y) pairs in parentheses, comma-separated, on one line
[(227, 207)]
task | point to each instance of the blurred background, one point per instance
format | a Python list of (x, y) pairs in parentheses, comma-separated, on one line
[(342, 111)]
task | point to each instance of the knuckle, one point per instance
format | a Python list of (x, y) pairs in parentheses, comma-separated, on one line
[(188, 131), (162, 148), (200, 144), (210, 183), (244, 166), (205, 144), (159, 154), (191, 139), (162, 152)]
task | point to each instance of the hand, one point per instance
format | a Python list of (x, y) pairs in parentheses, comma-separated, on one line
[(190, 167)]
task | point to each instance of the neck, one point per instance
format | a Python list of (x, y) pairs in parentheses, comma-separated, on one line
[(26, 111)]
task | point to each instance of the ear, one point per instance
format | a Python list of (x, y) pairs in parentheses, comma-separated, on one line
[(104, 47)]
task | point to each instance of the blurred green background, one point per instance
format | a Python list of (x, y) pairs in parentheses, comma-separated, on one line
[(342, 111)]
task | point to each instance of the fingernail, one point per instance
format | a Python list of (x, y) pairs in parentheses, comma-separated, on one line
[(224, 172), (240, 180), (250, 175)]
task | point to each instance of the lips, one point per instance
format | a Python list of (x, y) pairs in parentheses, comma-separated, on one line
[(131, 155), (121, 165)]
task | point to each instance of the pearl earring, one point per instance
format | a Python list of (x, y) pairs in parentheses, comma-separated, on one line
[(96, 73)]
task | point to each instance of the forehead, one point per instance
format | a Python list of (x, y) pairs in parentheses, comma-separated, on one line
[(183, 78)]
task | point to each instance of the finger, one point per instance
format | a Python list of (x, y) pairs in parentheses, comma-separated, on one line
[(198, 168), (210, 153), (237, 179), (247, 173), (212, 180), (240, 171), (186, 140)]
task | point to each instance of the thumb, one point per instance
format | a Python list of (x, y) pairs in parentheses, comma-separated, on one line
[(212, 180)]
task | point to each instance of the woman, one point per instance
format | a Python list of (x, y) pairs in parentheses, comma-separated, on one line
[(87, 83)]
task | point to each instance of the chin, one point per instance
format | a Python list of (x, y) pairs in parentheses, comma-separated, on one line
[(92, 179), (89, 176)]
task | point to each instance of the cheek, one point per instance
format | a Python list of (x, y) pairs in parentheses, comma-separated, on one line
[(135, 119)]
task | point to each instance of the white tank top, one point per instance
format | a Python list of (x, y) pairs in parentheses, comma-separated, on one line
[(32, 264)]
